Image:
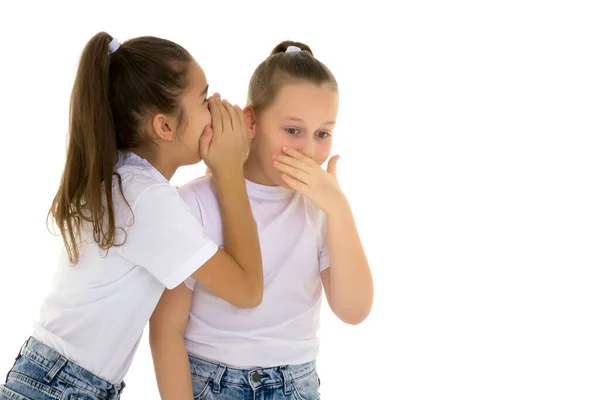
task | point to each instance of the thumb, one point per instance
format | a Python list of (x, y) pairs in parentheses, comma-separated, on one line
[(205, 140), (332, 165)]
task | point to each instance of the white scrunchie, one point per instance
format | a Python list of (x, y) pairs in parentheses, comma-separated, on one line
[(293, 49), (114, 45)]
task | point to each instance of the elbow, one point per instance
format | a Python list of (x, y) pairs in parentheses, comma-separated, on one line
[(253, 301), (252, 296), (353, 318), (247, 301), (353, 315)]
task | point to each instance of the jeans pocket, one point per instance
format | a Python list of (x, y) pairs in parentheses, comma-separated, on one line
[(72, 393), (29, 388), (7, 394), (307, 387), (201, 387)]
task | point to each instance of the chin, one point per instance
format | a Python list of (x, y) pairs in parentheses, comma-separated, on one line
[(280, 182), (286, 186), (189, 162), (269, 176), (195, 159)]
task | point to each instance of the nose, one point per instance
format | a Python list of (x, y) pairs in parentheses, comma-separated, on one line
[(309, 148)]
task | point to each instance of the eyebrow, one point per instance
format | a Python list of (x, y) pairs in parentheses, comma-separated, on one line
[(301, 120), (204, 91)]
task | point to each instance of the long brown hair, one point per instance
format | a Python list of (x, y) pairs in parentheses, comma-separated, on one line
[(282, 67), (111, 96)]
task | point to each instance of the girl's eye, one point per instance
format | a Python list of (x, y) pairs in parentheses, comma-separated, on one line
[(323, 135), (292, 131)]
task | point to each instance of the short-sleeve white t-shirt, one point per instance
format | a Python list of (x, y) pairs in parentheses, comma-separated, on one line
[(282, 330), (97, 310)]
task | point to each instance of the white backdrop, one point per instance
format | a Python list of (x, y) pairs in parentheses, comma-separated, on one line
[(469, 136)]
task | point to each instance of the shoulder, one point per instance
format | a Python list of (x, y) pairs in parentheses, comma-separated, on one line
[(199, 187)]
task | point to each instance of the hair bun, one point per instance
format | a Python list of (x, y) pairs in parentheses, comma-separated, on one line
[(283, 46)]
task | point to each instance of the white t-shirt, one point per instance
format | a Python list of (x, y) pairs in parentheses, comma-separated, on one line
[(282, 330), (98, 308)]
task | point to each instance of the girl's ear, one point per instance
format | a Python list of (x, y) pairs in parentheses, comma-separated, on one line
[(250, 120), (163, 127)]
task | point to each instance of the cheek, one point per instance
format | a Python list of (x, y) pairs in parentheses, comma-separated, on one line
[(203, 118), (272, 144), (195, 126), (199, 121), (323, 152), (207, 114)]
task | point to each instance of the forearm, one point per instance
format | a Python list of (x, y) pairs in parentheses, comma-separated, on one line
[(240, 237), (351, 283), (172, 367)]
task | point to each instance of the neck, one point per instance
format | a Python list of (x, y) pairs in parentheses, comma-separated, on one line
[(166, 168), (254, 172)]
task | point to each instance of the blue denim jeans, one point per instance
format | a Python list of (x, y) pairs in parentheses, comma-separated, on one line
[(219, 382), (41, 373)]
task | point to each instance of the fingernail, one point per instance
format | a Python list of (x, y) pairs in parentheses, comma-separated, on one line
[(284, 148)]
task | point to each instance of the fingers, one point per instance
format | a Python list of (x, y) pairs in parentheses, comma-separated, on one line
[(295, 184), (295, 173), (229, 117), (332, 166), (225, 116), (215, 111), (293, 162), (297, 155), (241, 120)]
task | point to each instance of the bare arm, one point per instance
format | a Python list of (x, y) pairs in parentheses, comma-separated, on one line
[(235, 274), (348, 282), (167, 327)]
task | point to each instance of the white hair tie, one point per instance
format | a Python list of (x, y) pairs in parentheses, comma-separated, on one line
[(293, 49), (114, 45)]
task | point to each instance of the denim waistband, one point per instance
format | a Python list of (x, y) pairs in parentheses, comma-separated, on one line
[(68, 371), (255, 378)]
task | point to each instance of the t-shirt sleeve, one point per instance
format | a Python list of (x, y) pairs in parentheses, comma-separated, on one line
[(192, 201), (165, 237), (190, 198)]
